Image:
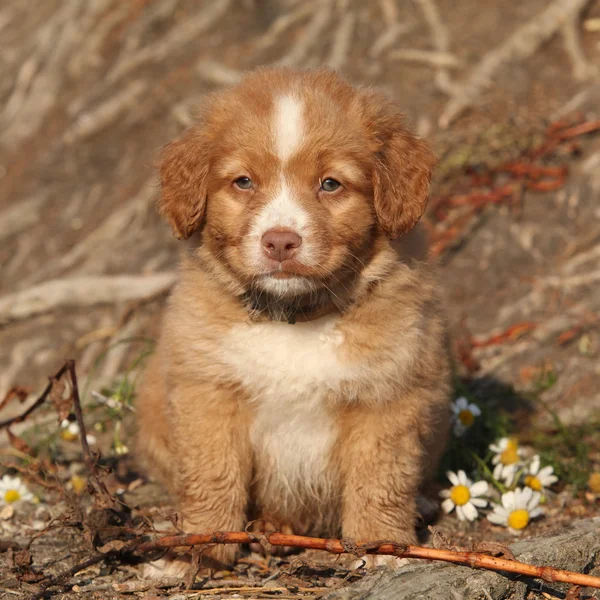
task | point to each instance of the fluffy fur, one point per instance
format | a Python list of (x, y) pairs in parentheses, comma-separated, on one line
[(311, 391)]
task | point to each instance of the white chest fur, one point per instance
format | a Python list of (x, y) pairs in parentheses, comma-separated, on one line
[(289, 370)]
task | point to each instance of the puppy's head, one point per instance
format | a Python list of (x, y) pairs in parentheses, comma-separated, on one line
[(294, 176)]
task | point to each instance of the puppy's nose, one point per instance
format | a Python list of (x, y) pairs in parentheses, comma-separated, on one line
[(281, 244)]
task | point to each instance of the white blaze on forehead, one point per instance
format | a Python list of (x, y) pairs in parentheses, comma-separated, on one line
[(282, 211), (289, 125)]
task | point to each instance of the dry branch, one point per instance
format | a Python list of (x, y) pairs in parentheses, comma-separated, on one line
[(342, 41), (520, 45), (111, 229), (189, 29), (428, 57), (21, 216), (314, 30), (382, 547), (440, 39), (582, 69), (82, 291)]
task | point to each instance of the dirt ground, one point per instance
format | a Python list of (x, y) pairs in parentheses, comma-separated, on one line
[(507, 93)]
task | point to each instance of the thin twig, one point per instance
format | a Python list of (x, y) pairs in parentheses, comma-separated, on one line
[(91, 463)]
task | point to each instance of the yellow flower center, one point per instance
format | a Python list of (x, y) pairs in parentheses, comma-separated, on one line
[(518, 519), (68, 436), (533, 482), (79, 484), (510, 456), (11, 496), (466, 417), (460, 494)]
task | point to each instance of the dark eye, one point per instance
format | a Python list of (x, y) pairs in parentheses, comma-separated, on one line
[(244, 183), (330, 185)]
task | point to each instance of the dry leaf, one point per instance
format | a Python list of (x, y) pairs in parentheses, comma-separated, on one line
[(61, 403), (15, 392), (19, 444)]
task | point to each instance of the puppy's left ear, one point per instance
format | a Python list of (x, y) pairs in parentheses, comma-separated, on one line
[(401, 178)]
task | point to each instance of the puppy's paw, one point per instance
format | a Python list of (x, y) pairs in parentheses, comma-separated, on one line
[(173, 565), (166, 567), (372, 561), (264, 525)]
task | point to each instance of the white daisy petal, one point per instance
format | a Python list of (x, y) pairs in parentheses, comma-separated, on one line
[(445, 494), (447, 505), (479, 502), (470, 511), (458, 429), (462, 478), (452, 477), (460, 513), (534, 467), (536, 512), (534, 500), (497, 518), (11, 482), (544, 472), (498, 471), (479, 488), (524, 497), (508, 501), (475, 410), (509, 473), (461, 403)]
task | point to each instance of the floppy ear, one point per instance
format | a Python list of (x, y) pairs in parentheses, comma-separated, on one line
[(183, 167), (401, 178)]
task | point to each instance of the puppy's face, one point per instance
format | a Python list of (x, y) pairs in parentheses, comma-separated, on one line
[(293, 176)]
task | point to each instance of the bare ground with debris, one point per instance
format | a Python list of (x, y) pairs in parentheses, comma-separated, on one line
[(89, 91)]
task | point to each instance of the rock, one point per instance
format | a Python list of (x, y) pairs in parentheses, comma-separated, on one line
[(576, 548)]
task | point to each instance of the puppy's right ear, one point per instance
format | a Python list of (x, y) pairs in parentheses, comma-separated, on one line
[(183, 167)]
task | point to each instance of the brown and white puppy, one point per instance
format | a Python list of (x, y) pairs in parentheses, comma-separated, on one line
[(301, 374)]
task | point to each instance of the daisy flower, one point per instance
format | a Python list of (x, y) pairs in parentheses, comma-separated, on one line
[(69, 431), (517, 509), (12, 489), (537, 479), (464, 415), (507, 459), (464, 496)]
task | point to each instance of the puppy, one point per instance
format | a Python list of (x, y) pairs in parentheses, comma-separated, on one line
[(301, 375)]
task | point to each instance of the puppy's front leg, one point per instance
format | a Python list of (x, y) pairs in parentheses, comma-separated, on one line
[(213, 463), (382, 460)]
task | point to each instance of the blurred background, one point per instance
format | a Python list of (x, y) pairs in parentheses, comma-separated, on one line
[(507, 93)]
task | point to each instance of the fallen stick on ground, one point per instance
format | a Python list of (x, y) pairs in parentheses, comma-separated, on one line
[(82, 291), (384, 547)]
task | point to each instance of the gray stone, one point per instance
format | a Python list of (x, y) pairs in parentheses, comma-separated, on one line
[(576, 548)]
